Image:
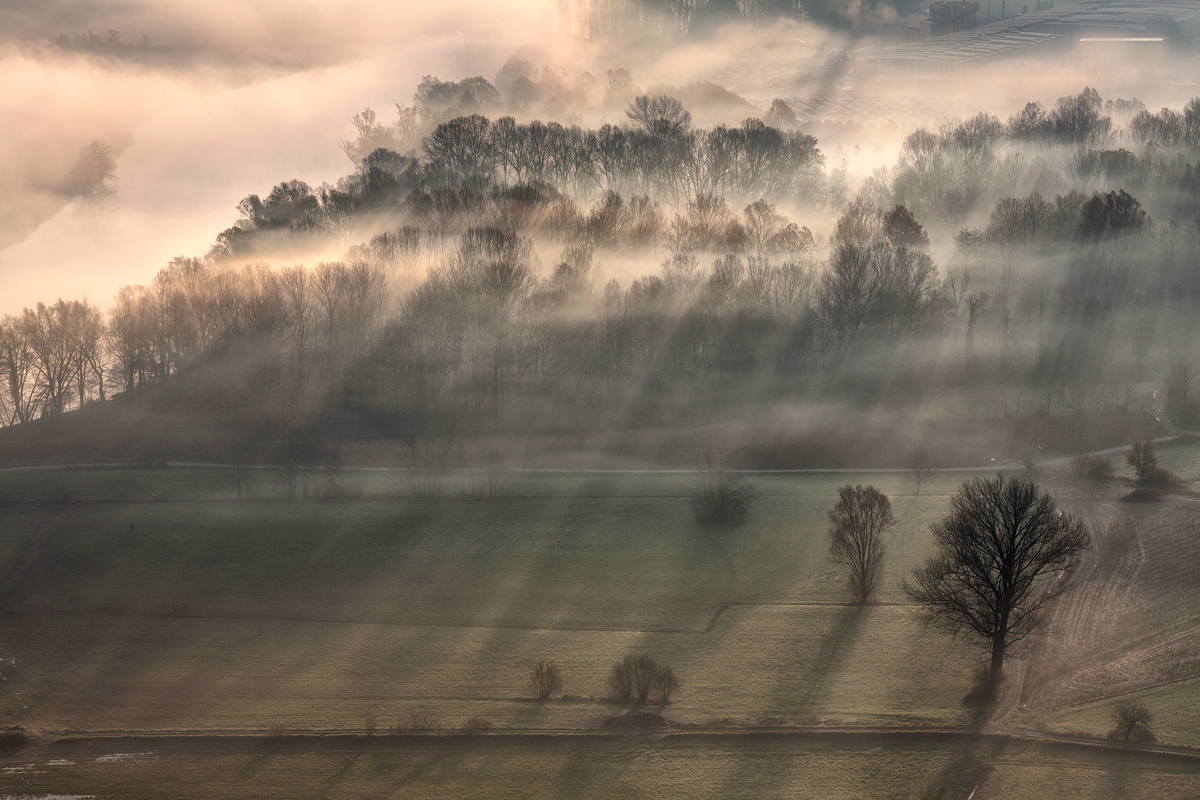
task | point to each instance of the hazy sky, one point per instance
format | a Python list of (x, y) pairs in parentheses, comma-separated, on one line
[(254, 94), (258, 93)]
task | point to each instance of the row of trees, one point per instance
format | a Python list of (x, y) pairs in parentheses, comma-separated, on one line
[(448, 173), (468, 160), (948, 174)]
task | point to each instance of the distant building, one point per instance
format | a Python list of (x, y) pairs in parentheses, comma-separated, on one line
[(951, 16)]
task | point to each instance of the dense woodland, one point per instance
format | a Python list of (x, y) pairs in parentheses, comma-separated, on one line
[(444, 319)]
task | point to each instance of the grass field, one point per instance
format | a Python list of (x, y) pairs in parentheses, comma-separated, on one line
[(616, 768), (324, 610), (154, 600)]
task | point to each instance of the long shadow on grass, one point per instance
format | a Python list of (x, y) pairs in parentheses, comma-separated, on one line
[(970, 766), (832, 656)]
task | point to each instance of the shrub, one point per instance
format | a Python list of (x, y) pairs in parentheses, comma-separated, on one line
[(1133, 721), (477, 724), (422, 719), (546, 679), (1031, 458), (719, 496), (1096, 467), (370, 722), (634, 678)]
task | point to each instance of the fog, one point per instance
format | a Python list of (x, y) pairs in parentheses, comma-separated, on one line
[(245, 100), (364, 360)]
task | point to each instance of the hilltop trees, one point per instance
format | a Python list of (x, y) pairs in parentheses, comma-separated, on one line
[(1005, 550), (858, 523)]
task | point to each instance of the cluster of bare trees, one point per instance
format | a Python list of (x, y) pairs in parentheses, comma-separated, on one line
[(51, 359), (635, 679), (948, 174), (470, 162), (660, 155), (308, 322)]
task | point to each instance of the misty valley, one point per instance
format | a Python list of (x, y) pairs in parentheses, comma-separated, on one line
[(697, 400)]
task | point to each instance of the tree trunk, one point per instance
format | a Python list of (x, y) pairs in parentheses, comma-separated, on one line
[(997, 670)]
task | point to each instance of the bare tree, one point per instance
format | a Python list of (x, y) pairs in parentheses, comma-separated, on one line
[(665, 684), (857, 524), (1142, 458), (94, 176), (661, 115), (1133, 720), (1005, 550), (19, 372), (920, 468), (546, 679)]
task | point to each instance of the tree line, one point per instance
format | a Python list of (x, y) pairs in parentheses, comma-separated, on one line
[(469, 163)]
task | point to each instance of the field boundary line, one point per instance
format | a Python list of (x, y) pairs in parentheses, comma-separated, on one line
[(333, 621), (866, 735), (726, 606)]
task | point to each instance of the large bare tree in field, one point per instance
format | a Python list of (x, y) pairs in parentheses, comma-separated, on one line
[(1005, 550), (857, 525)]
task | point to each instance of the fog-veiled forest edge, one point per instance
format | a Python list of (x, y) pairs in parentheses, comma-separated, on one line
[(485, 288)]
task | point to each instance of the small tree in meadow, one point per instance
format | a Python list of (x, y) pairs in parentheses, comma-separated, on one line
[(546, 679), (857, 524), (1142, 459), (1133, 722)]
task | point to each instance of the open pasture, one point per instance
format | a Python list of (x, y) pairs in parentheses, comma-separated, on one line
[(155, 601), (209, 612)]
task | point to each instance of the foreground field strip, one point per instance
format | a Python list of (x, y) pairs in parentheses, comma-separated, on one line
[(850, 737)]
